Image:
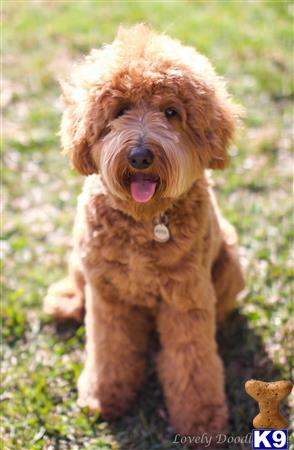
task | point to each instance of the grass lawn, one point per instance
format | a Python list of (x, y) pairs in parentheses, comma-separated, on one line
[(251, 43)]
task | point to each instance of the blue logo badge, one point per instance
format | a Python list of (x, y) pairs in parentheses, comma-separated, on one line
[(270, 439)]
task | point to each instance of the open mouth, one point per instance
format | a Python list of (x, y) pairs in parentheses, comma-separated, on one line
[(143, 186)]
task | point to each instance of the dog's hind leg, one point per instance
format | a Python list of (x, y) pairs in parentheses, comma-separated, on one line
[(227, 279), (65, 299)]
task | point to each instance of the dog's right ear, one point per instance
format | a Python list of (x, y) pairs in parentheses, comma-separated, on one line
[(74, 130)]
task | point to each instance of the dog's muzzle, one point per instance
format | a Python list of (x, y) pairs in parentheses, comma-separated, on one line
[(142, 185)]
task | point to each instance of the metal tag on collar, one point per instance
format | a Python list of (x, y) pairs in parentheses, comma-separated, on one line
[(160, 230)]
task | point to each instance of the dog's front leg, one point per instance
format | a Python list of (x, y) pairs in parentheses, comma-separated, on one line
[(191, 371), (117, 339)]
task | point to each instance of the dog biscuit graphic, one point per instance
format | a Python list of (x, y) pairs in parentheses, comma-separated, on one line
[(269, 395)]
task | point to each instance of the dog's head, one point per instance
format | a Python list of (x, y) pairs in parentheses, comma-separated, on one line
[(150, 115)]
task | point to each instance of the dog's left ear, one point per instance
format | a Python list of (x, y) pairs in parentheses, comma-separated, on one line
[(213, 117), (222, 123)]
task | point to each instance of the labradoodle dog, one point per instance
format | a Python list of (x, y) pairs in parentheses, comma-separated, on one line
[(145, 117)]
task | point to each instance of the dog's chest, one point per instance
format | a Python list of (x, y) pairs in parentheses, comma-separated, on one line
[(118, 250)]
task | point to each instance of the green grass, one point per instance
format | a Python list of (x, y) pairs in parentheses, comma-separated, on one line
[(251, 43)]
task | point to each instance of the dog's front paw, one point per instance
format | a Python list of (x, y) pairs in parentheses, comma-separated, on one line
[(90, 402), (112, 398), (88, 393)]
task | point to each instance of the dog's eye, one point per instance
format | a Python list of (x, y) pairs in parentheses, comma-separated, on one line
[(170, 113), (121, 112)]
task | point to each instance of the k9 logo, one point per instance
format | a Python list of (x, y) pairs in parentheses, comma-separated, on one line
[(270, 439)]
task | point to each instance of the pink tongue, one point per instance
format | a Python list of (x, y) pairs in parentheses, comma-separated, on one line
[(142, 190)]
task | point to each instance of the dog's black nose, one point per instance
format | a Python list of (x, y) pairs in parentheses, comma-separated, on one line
[(140, 158)]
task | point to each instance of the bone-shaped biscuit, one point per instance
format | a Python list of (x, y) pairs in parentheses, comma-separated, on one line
[(269, 395)]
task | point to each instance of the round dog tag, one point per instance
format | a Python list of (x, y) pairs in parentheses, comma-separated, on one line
[(161, 232)]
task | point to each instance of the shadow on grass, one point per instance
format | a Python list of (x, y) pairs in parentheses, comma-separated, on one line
[(244, 356)]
